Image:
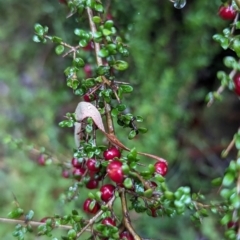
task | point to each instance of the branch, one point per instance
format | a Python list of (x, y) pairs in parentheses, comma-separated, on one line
[(33, 223), (126, 219)]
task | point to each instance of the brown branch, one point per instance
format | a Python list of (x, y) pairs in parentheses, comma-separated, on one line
[(228, 149), (99, 63), (33, 223), (126, 219)]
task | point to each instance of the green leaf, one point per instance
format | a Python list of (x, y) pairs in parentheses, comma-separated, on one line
[(59, 49), (72, 83), (66, 123), (132, 134), (169, 195), (121, 107), (226, 219), (39, 29), (83, 43), (148, 193), (108, 24), (78, 62), (96, 19), (99, 7), (114, 112), (72, 234), (106, 32), (103, 53), (125, 168), (142, 130), (120, 65), (237, 140), (56, 39), (103, 70), (16, 213), (29, 215), (228, 62), (228, 179), (126, 88), (97, 36), (217, 181), (128, 183), (37, 39)]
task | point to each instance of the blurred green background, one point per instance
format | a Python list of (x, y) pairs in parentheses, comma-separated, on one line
[(173, 64)]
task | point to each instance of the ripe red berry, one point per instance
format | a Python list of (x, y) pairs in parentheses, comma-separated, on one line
[(233, 225), (114, 170), (109, 221), (89, 97), (126, 235), (153, 184), (111, 153), (90, 209), (43, 220), (153, 212), (161, 168), (236, 81), (78, 173), (107, 192), (227, 12), (65, 173), (88, 70), (92, 184), (89, 47), (41, 160), (92, 165), (76, 163)]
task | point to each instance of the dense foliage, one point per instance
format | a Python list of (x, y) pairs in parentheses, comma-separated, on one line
[(172, 62)]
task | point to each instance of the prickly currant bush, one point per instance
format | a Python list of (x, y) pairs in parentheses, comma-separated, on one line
[(103, 167)]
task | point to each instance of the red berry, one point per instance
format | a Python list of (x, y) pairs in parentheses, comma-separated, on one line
[(89, 97), (109, 221), (89, 47), (41, 160), (92, 184), (43, 220), (111, 153), (78, 173), (76, 163), (236, 81), (88, 70), (161, 168), (107, 192), (65, 173), (90, 209), (153, 184), (92, 165), (114, 170), (153, 212), (227, 12), (126, 235), (233, 225)]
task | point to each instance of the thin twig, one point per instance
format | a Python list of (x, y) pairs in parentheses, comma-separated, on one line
[(32, 223), (126, 219), (228, 149)]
